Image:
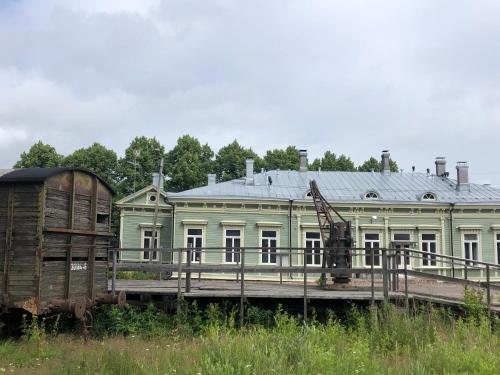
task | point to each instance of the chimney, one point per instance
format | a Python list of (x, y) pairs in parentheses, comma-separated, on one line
[(462, 175), (386, 165), (249, 177), (156, 178), (440, 166), (211, 179), (302, 160)]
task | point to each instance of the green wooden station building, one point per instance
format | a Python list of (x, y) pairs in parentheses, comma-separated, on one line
[(431, 212)]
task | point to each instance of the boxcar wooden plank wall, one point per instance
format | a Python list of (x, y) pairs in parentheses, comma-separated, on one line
[(54, 238)]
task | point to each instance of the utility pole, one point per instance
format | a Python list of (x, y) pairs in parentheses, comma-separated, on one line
[(157, 207)]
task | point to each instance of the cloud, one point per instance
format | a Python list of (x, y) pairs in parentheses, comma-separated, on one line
[(419, 78)]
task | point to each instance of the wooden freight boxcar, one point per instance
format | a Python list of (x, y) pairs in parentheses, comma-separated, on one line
[(54, 238)]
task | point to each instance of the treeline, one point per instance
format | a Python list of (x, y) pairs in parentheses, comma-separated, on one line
[(187, 164)]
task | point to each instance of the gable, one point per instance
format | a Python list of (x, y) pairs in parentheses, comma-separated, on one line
[(140, 198)]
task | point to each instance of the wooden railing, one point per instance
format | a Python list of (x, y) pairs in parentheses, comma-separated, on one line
[(382, 264)]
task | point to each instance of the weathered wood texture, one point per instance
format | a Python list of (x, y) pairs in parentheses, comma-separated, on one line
[(39, 264)]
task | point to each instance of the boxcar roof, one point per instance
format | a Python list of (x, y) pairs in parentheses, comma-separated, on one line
[(41, 174)]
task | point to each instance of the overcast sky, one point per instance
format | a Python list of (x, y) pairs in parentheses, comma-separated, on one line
[(421, 78)]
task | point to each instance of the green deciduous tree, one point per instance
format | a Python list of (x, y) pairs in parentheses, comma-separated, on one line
[(97, 159), (282, 159), (330, 162), (141, 160), (376, 166), (39, 155), (188, 164), (230, 161)]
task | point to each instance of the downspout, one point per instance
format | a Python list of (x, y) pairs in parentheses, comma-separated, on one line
[(172, 232), (452, 207), (290, 235)]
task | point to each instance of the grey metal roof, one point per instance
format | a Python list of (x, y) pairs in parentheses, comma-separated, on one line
[(347, 187), (41, 174)]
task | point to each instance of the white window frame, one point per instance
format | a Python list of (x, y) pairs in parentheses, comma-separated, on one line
[(496, 241), (277, 238), (186, 231), (224, 237), (158, 243), (401, 255), (380, 244), (148, 196), (305, 239), (478, 236), (421, 244)]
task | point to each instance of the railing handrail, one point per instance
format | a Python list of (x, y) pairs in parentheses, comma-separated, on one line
[(288, 250)]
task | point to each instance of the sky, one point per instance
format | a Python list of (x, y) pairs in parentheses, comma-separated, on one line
[(420, 78)]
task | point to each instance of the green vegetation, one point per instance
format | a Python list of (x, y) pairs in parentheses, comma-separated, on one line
[(208, 341)]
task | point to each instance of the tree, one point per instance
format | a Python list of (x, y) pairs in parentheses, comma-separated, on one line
[(230, 161), (376, 166), (330, 162), (40, 155), (97, 159), (282, 159), (141, 160), (188, 164)]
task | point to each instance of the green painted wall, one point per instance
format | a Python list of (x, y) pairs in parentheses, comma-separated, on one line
[(389, 220)]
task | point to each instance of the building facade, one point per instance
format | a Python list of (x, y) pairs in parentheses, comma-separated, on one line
[(430, 212)]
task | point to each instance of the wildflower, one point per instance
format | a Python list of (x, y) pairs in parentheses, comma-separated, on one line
[(2, 369)]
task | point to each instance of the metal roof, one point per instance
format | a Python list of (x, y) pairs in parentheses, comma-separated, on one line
[(347, 187), (41, 174)]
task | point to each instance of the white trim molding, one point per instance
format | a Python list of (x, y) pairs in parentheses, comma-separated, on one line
[(269, 224), (470, 227), (233, 223), (150, 225), (194, 222)]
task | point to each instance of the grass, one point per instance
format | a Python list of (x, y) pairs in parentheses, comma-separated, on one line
[(377, 341)]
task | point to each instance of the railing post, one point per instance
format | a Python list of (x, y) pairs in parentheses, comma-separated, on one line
[(305, 287), (113, 277), (385, 275), (281, 266), (179, 279), (189, 254), (372, 256), (488, 289), (242, 285), (465, 270), (407, 303)]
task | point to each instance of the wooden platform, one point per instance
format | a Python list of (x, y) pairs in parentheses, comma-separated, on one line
[(358, 290)]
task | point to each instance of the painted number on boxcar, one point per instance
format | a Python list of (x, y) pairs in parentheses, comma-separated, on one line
[(79, 266)]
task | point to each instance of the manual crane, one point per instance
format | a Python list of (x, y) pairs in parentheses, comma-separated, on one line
[(336, 236)]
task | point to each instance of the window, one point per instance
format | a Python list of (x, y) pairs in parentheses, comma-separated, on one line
[(195, 242), (147, 237), (429, 197), (371, 195), (429, 246), (313, 248), (471, 247), (268, 242), (498, 248), (402, 241), (372, 241), (151, 198), (308, 194), (233, 243)]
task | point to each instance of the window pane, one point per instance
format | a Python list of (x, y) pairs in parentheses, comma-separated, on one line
[(498, 237), (470, 237), (428, 237), (273, 243), (229, 242), (401, 237), (194, 232), (312, 235), (237, 242), (233, 232), (269, 233), (371, 236), (198, 242), (148, 233)]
